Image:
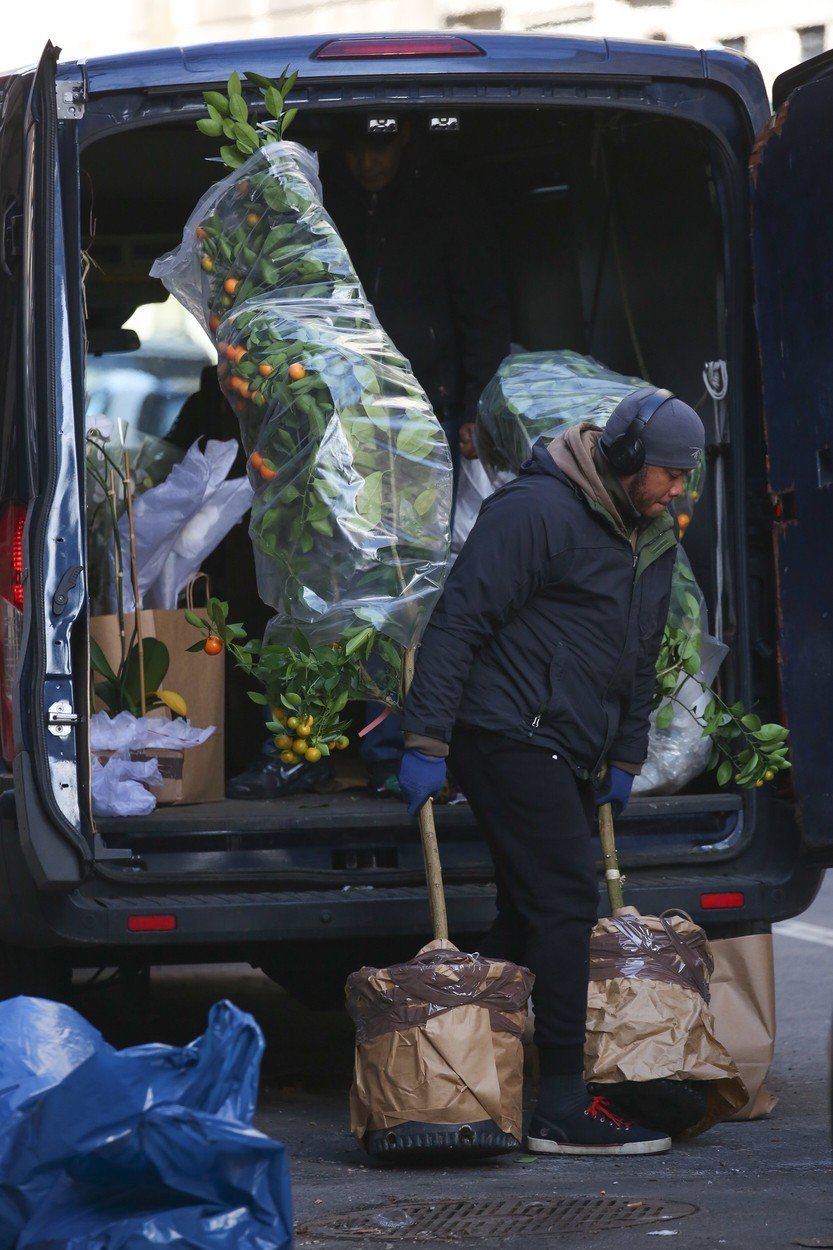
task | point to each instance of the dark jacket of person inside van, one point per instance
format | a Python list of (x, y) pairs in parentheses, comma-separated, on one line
[(425, 253)]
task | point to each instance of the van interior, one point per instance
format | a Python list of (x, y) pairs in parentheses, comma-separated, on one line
[(612, 227)]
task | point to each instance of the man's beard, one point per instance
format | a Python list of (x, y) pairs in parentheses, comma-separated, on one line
[(637, 492)]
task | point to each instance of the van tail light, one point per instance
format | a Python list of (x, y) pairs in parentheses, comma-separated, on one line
[(717, 902), (12, 521), (369, 48)]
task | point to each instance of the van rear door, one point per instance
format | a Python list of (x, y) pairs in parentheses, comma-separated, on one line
[(47, 706), (791, 193)]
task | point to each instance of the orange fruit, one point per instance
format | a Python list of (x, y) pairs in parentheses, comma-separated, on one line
[(284, 742), (201, 233), (207, 264), (313, 755), (288, 757), (239, 353), (252, 219), (230, 285), (256, 460), (213, 645), (243, 186), (213, 323), (266, 473), (342, 743), (264, 370), (292, 722), (304, 731), (297, 371), (299, 746)]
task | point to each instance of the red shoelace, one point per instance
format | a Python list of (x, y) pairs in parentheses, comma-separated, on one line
[(600, 1108)]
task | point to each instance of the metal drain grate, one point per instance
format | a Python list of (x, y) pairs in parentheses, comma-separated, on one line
[(463, 1220)]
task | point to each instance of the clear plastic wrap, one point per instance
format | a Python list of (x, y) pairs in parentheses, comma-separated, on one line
[(536, 394), (678, 753), (350, 468)]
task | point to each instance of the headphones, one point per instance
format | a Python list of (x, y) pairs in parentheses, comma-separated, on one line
[(626, 454)]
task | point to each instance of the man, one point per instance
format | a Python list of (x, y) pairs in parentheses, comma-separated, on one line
[(422, 246), (538, 668)]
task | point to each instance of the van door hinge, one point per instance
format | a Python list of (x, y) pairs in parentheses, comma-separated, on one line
[(71, 98), (61, 718)]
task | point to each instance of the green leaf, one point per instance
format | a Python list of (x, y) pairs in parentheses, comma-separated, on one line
[(772, 733), (287, 120), (193, 619), (665, 716), (234, 85), (289, 83), (751, 722), (258, 698), (108, 693), (208, 126), (156, 662), (99, 662), (237, 108), (273, 102), (291, 699), (231, 156), (257, 79), (724, 773), (359, 640), (217, 101), (425, 501), (195, 646)]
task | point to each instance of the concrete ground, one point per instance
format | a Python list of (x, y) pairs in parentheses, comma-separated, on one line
[(756, 1185)]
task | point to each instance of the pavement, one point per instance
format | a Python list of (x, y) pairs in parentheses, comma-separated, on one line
[(760, 1185)]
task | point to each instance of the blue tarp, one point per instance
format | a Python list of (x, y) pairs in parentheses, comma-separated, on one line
[(115, 1150)]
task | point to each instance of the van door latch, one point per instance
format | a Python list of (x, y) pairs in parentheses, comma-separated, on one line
[(70, 98), (60, 599), (61, 718)]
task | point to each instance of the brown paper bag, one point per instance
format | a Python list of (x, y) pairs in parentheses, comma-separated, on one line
[(648, 1017), (743, 1003), (200, 679), (438, 1041)]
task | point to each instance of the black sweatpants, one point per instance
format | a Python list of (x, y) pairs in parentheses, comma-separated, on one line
[(537, 818)]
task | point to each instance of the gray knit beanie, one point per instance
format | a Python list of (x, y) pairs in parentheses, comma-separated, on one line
[(674, 436)]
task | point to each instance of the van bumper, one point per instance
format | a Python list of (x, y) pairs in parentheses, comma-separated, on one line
[(227, 919)]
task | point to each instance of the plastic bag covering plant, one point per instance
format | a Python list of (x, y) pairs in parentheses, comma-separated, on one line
[(106, 1150), (350, 468), (535, 394), (539, 394)]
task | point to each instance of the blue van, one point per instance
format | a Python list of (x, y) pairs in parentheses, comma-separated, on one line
[(652, 213)]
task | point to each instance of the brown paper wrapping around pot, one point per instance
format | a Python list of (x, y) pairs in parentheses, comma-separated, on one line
[(647, 1012), (438, 1040), (200, 679), (743, 1003)]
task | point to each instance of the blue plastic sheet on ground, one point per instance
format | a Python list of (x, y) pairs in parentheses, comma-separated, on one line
[(152, 1146)]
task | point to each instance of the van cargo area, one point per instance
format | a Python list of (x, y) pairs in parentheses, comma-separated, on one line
[(591, 207)]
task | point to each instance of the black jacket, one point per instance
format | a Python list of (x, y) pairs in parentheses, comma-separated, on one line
[(549, 625), (425, 256)]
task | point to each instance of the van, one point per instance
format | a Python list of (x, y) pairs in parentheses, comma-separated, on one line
[(651, 212)]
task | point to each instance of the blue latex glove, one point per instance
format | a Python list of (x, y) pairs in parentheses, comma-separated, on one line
[(420, 776), (615, 790)]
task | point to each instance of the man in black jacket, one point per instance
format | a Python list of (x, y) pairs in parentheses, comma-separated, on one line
[(424, 250), (538, 669)]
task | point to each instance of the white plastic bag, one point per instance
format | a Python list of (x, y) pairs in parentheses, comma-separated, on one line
[(119, 786), (125, 732), (182, 520)]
